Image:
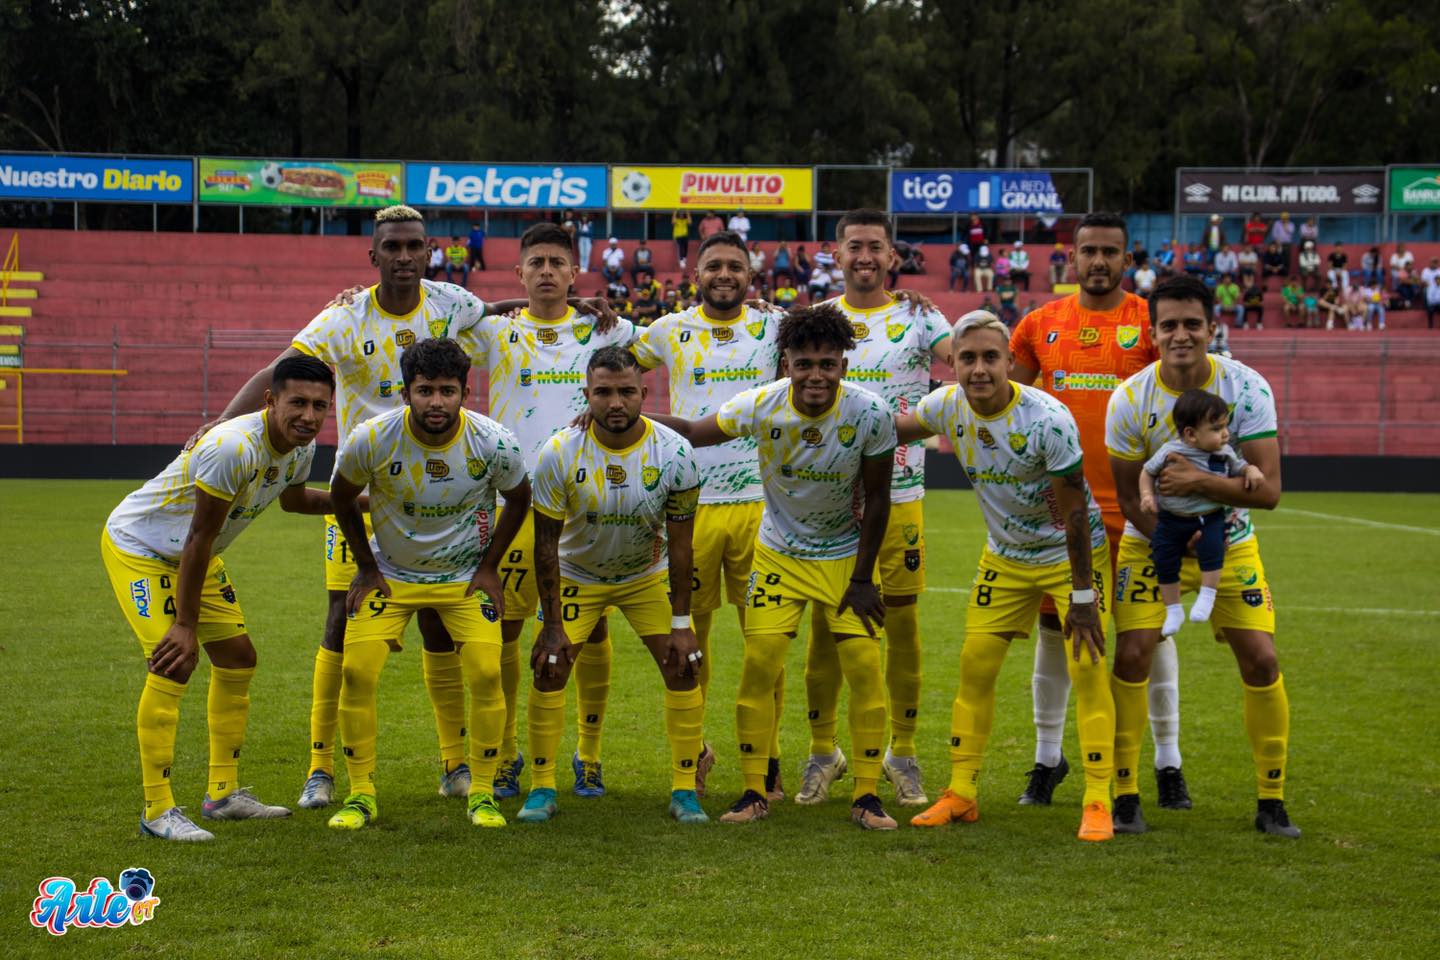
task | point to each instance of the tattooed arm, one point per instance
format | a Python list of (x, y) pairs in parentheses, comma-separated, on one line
[(1082, 620)]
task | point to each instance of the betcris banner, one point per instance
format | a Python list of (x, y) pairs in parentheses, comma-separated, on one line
[(486, 185), (28, 176), (971, 191)]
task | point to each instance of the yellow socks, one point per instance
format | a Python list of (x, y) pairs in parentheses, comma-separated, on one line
[(227, 709), (1267, 723), (902, 675), (358, 722), (974, 710), (155, 722), (1131, 706), (510, 686), (324, 703), (1095, 724), (703, 623), (685, 726), (755, 704), (592, 689), (546, 722), (823, 678), (445, 681), (481, 664)]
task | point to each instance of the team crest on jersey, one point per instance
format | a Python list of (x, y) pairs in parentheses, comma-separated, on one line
[(488, 611), (272, 474), (437, 469), (227, 593), (650, 477), (986, 437), (912, 560), (895, 331), (409, 507), (405, 337), (911, 532), (1089, 336), (439, 328), (860, 330), (756, 327), (1248, 576), (615, 474), (698, 374), (582, 330), (140, 596), (1052, 336), (1127, 336), (386, 388), (723, 334), (290, 471), (475, 467), (547, 336), (812, 436), (1252, 598), (846, 433), (1018, 442)]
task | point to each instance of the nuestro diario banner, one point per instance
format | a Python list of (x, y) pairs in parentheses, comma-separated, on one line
[(314, 183), (763, 189), (28, 176)]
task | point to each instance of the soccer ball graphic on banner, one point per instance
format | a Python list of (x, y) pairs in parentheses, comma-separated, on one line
[(271, 176), (635, 186)]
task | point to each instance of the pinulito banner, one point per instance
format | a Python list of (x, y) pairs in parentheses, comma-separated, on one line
[(25, 176), (970, 191), (312, 183), (763, 189), (1272, 192)]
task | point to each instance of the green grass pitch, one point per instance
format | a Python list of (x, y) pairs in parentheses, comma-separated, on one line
[(1358, 602)]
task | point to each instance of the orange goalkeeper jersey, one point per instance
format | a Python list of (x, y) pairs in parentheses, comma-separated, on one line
[(1082, 356)]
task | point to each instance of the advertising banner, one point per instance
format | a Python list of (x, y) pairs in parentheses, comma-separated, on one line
[(972, 191), (505, 186), (1261, 191), (57, 177), (763, 189), (1415, 189), (296, 183)]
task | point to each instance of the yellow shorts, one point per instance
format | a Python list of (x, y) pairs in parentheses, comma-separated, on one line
[(145, 589), (1242, 601), (1005, 597), (644, 602), (781, 586), (724, 550), (517, 573), (471, 619), (902, 552), (339, 567)]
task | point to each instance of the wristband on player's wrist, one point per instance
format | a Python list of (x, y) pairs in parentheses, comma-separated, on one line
[(680, 622), (1085, 596), (869, 580)]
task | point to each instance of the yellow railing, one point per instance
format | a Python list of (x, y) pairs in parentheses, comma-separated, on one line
[(17, 376), (11, 265)]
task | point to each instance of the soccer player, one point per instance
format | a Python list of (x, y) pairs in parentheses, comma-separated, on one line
[(1021, 450), (614, 510), (432, 469), (895, 343), (161, 547), (713, 352), (826, 449), (1138, 423), (537, 361), (1078, 349)]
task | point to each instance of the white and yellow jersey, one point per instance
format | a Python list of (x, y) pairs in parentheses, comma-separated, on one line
[(615, 503), (1010, 458), (363, 343), (537, 370), (233, 461), (709, 362), (810, 466), (893, 350), (432, 507), (1139, 420)]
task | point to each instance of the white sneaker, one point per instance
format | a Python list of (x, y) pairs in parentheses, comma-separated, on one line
[(817, 776), (174, 825), (904, 774), (241, 805), (319, 791), (456, 783)]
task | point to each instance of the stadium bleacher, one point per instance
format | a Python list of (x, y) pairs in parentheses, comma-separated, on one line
[(190, 316)]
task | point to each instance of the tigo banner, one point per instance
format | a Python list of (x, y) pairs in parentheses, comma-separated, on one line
[(712, 188), (970, 191), (482, 185), (294, 183), (34, 177), (1415, 188)]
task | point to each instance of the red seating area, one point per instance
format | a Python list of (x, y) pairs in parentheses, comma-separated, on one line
[(191, 316)]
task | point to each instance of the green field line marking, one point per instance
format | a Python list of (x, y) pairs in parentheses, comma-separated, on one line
[(1432, 531)]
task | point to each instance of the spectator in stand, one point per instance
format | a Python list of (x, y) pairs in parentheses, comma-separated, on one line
[(1430, 276), (824, 258), (643, 263), (646, 309), (670, 300), (757, 259), (1401, 261), (617, 289), (476, 247), (780, 265), (1255, 231), (1249, 259), (801, 270), (1195, 264), (1355, 307), (689, 296), (1311, 303), (837, 281), (1292, 293), (960, 266), (1145, 280), (648, 282), (435, 265), (912, 257), (1339, 272), (456, 258), (613, 260), (740, 225), (988, 305), (712, 224), (585, 239), (1138, 254), (1030, 306), (1374, 296), (1406, 293), (1372, 274), (1020, 266), (983, 270), (1332, 304), (786, 295), (1214, 238), (1009, 313), (1165, 259), (1282, 231), (819, 282), (680, 233), (1002, 265), (1275, 263), (1227, 298), (571, 225), (1309, 265), (1254, 301), (976, 232), (1220, 340), (1225, 261), (1059, 265)]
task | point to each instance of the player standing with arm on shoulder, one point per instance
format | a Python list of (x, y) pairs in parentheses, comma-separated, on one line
[(1138, 424), (1078, 349), (1021, 450), (161, 548)]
